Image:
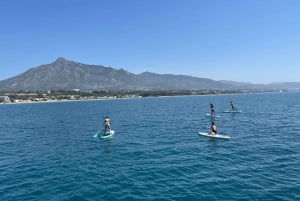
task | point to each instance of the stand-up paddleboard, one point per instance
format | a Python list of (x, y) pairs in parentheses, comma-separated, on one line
[(232, 111), (215, 136), (108, 134), (212, 116)]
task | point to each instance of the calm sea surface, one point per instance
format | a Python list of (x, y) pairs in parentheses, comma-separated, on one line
[(47, 150)]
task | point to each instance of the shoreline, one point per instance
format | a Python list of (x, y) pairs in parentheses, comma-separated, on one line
[(118, 98), (58, 101)]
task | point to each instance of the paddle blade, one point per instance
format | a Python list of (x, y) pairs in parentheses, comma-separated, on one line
[(96, 134)]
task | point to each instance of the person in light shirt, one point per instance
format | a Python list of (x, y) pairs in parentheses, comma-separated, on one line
[(106, 125)]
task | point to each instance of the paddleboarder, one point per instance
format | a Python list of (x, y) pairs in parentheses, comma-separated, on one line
[(213, 129), (212, 109), (106, 124), (232, 106)]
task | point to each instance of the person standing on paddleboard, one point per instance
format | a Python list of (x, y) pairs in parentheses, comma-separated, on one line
[(106, 124), (213, 129), (232, 106), (212, 110)]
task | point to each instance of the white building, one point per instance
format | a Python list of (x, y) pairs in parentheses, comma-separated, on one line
[(4, 99)]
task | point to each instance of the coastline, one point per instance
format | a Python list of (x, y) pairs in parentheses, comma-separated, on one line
[(71, 98), (117, 98), (57, 101)]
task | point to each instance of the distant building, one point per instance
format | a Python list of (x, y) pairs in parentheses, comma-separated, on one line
[(4, 99)]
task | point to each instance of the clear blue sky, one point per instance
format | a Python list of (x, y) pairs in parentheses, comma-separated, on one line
[(254, 41)]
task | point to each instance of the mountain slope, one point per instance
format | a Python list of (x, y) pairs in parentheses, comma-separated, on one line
[(67, 75), (181, 82)]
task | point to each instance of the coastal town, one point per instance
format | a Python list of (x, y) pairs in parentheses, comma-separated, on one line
[(55, 96), (76, 94)]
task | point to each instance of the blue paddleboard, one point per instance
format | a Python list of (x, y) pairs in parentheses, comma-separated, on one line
[(108, 134)]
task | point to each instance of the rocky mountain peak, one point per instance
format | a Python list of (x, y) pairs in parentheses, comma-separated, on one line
[(61, 61)]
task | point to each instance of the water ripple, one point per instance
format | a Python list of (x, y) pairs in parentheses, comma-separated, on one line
[(47, 151)]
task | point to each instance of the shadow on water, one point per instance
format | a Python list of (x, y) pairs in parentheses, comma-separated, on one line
[(104, 147), (108, 145), (214, 145)]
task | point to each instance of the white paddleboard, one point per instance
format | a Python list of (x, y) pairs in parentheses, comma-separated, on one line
[(232, 111), (111, 133), (213, 116), (215, 136)]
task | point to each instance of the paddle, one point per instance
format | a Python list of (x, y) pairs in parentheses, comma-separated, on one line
[(96, 134)]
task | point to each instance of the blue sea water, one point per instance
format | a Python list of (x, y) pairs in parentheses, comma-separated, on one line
[(47, 150)]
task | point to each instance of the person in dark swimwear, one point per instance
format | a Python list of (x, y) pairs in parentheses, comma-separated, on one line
[(212, 110), (232, 106), (213, 129)]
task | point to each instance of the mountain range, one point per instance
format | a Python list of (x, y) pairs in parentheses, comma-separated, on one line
[(63, 74)]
